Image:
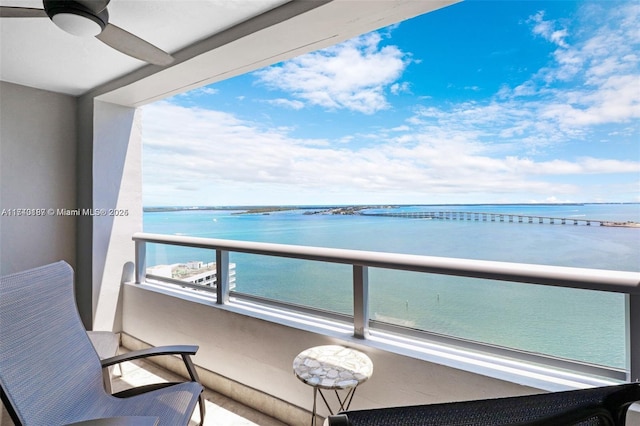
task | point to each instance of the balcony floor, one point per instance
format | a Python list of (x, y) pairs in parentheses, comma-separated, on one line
[(221, 411)]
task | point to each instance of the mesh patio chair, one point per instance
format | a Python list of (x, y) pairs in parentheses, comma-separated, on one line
[(50, 373), (601, 406)]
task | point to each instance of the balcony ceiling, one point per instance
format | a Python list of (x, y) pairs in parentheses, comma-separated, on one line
[(34, 52), (210, 39)]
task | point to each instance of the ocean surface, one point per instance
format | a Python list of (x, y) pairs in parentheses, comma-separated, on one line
[(576, 324)]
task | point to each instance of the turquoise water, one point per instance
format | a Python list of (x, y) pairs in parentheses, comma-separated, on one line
[(575, 324)]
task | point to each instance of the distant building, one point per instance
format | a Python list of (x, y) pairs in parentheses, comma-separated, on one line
[(193, 272)]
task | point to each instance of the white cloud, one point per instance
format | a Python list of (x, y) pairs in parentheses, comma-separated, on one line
[(588, 56), (287, 103), (212, 156), (353, 75), (617, 100), (548, 29), (208, 91), (200, 92), (397, 88)]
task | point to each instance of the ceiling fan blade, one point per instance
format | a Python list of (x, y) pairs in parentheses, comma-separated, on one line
[(134, 46), (21, 12)]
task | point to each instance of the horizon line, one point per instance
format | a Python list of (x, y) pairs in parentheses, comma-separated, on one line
[(379, 205)]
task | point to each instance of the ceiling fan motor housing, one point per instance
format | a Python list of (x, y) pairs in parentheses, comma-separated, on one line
[(76, 17)]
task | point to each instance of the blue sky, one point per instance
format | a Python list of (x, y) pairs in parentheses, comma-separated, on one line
[(478, 102)]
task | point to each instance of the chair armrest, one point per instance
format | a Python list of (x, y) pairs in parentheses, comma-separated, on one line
[(145, 353), (337, 420), (185, 351), (119, 421)]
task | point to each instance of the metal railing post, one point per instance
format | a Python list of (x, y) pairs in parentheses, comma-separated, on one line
[(633, 337), (128, 273), (222, 277), (360, 301), (141, 261)]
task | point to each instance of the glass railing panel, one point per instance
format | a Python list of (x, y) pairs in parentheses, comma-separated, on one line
[(586, 326), (581, 325), (313, 284), (194, 266)]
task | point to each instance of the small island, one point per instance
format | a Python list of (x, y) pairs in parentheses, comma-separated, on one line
[(627, 224), (347, 210), (265, 210)]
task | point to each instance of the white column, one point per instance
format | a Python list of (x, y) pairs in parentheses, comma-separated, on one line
[(117, 205)]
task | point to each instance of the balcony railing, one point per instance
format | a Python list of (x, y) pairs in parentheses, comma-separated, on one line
[(627, 283)]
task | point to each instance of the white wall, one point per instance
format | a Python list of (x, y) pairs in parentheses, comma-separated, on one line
[(37, 170), (38, 145)]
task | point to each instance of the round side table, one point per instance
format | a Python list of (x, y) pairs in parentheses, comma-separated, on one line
[(332, 367)]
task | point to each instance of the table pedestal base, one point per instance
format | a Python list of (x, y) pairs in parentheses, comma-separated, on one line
[(344, 403)]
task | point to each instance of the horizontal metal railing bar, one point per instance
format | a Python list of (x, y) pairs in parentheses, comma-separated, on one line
[(559, 276), (181, 283)]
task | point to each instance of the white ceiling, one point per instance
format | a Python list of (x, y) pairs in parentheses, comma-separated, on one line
[(34, 52), (210, 39)]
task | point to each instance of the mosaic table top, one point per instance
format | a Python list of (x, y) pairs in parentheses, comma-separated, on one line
[(332, 367)]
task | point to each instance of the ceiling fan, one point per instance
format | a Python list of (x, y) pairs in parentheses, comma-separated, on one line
[(91, 18)]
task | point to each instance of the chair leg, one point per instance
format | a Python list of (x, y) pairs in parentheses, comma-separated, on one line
[(202, 409), (106, 379)]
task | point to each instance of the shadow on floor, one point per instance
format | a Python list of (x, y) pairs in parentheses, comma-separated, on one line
[(221, 411)]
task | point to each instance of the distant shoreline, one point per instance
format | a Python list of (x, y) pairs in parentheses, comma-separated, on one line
[(274, 208), (357, 210)]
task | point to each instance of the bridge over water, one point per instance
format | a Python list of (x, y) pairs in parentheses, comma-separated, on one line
[(497, 217)]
